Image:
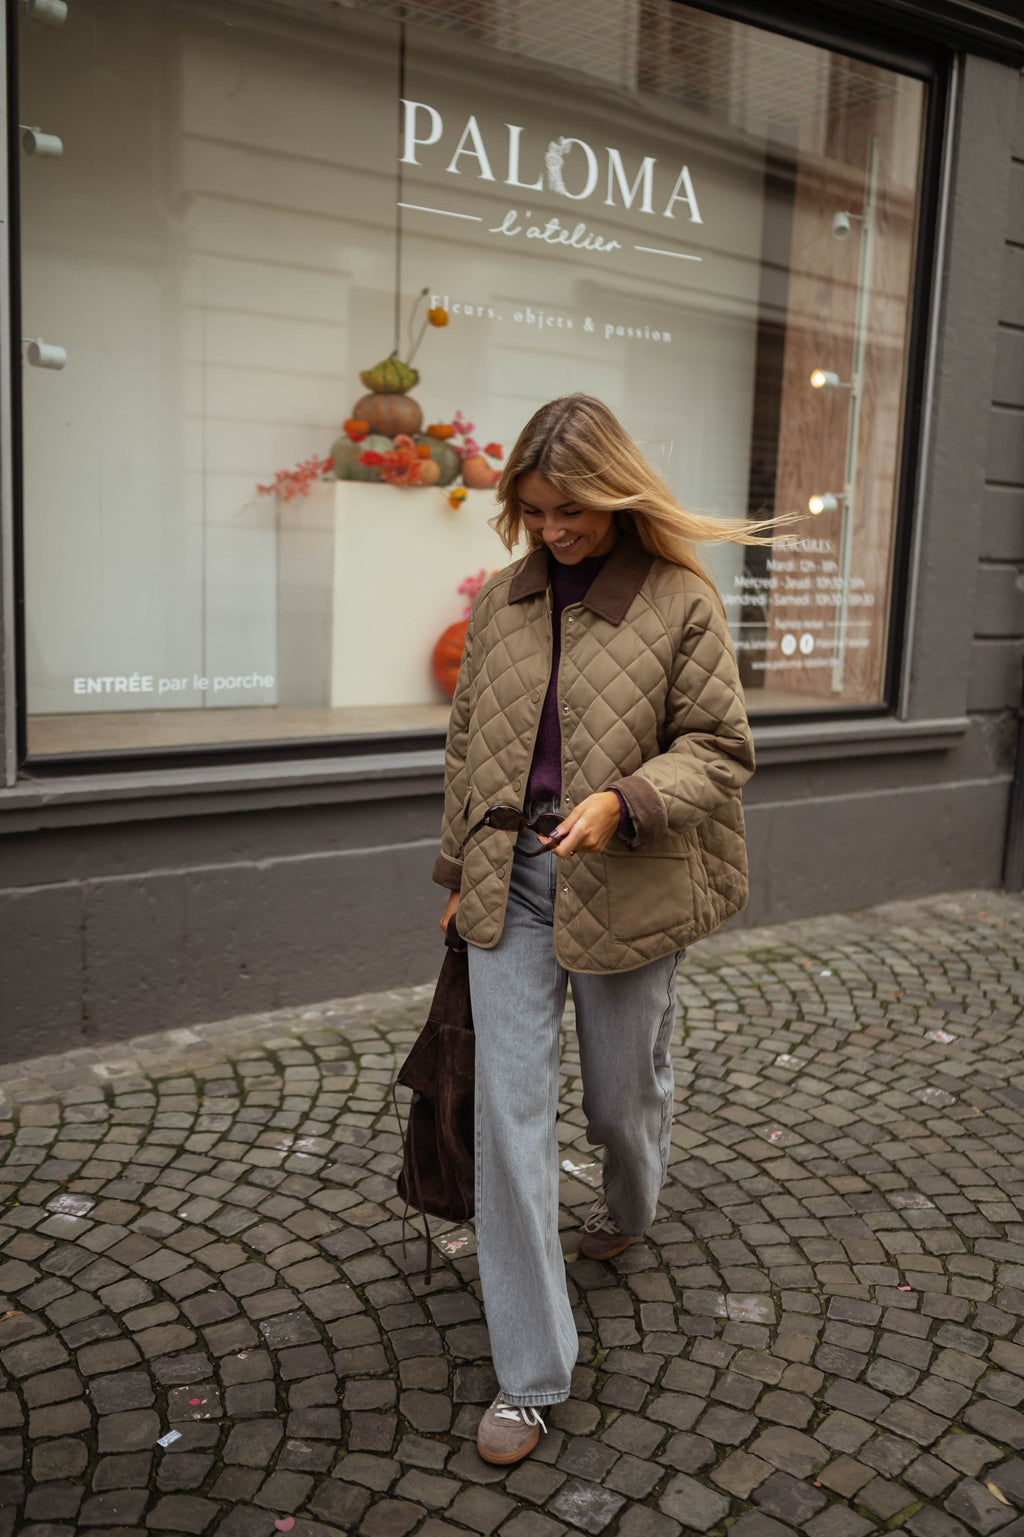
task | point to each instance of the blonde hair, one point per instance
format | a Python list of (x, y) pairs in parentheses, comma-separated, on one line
[(583, 449)]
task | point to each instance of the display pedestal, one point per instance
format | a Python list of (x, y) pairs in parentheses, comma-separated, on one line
[(367, 582)]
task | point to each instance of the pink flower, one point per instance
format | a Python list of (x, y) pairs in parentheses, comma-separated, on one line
[(288, 484)]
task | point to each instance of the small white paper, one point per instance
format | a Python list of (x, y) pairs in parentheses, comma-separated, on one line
[(169, 1438)]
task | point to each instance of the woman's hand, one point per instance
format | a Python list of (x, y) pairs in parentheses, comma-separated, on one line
[(451, 906), (590, 825)]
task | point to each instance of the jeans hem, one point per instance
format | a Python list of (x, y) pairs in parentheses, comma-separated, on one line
[(535, 1400)]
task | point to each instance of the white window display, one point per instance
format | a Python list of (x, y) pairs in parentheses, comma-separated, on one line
[(246, 226)]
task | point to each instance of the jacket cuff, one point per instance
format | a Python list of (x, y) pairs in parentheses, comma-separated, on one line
[(447, 872), (646, 807)]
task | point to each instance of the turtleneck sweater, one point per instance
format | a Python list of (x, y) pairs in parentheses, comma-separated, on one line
[(569, 585)]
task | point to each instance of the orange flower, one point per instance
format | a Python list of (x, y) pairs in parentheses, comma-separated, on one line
[(438, 316), (440, 430), (494, 451), (456, 497)]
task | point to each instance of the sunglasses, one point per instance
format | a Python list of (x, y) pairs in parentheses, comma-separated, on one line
[(509, 819)]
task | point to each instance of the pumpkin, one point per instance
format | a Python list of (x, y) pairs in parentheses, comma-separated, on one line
[(444, 456), (390, 414), (430, 473), (346, 456), (389, 377), (440, 430), (477, 474), (447, 656)]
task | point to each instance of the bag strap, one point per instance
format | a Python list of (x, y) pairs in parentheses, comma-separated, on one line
[(410, 1149)]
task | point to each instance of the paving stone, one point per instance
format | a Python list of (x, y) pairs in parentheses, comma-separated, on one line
[(692, 1503), (586, 1505), (182, 1513), (974, 1504)]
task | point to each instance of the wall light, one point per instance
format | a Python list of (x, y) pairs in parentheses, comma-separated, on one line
[(825, 501), (52, 13), (44, 354), (46, 145)]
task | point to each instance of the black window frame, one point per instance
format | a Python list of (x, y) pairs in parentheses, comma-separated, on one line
[(901, 43)]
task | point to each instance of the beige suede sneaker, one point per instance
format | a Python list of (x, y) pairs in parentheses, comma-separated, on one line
[(508, 1432), (600, 1238)]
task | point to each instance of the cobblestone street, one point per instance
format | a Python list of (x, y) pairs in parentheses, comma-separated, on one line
[(209, 1323)]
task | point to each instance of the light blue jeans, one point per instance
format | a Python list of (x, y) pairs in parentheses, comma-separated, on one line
[(624, 1023)]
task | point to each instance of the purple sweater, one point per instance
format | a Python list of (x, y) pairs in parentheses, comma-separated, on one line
[(569, 585)]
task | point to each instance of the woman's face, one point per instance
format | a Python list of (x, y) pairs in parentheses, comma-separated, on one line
[(571, 532)]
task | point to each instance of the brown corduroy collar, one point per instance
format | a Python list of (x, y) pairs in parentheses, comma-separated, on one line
[(613, 588)]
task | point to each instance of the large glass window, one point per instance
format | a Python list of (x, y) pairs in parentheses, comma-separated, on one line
[(247, 227)]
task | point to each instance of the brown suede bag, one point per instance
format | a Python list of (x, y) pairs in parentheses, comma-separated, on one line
[(437, 1175)]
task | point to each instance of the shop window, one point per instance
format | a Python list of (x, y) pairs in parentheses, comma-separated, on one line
[(240, 222)]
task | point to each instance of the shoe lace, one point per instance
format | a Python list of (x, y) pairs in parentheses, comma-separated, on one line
[(599, 1219), (526, 1412)]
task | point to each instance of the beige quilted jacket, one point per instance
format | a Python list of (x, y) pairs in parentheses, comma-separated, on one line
[(650, 704)]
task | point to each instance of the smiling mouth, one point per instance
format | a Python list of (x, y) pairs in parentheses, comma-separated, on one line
[(568, 543)]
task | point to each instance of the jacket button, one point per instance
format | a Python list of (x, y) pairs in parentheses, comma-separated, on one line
[(565, 709), (501, 871), (535, 697), (565, 890), (516, 784), (572, 619)]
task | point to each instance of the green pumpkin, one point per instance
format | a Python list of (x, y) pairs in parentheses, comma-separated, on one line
[(390, 377), (443, 455), (346, 454)]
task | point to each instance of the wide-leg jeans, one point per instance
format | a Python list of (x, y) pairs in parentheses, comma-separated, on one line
[(624, 1024)]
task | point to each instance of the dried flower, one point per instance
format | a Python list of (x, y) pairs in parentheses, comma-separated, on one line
[(438, 316), (456, 496), (470, 587), (494, 451), (288, 484), (371, 458)]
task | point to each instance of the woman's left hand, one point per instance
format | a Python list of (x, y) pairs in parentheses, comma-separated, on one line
[(590, 825)]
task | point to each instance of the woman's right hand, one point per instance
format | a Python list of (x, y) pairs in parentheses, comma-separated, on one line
[(451, 906)]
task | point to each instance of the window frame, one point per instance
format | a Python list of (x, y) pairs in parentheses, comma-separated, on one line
[(929, 62)]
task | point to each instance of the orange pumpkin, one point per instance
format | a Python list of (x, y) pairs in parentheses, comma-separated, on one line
[(389, 414), (430, 473), (477, 474), (441, 430), (447, 656)]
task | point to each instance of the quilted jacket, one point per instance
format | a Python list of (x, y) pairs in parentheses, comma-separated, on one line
[(650, 704)]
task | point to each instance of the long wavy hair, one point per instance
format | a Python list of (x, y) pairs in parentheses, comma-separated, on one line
[(582, 448)]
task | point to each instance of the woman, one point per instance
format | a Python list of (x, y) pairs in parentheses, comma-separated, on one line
[(592, 829)]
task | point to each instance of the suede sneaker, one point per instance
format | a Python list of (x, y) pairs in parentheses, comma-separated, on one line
[(600, 1238), (508, 1432)]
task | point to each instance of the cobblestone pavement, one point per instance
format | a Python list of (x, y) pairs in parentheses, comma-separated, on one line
[(208, 1323)]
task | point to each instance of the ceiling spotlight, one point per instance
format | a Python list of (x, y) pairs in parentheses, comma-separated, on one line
[(46, 145), (824, 501), (52, 13), (841, 222), (44, 354)]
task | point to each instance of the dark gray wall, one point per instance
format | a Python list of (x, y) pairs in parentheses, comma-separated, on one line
[(998, 648), (136, 903)]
